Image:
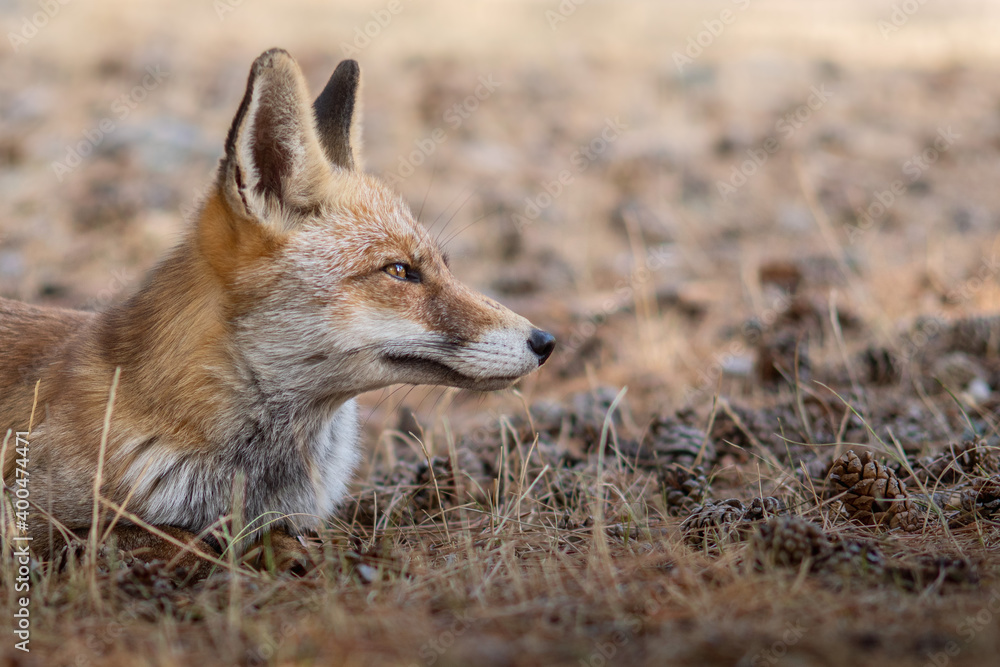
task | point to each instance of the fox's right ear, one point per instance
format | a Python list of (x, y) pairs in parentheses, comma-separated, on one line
[(274, 163), (338, 116)]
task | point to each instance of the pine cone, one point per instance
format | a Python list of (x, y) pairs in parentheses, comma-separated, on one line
[(713, 522), (789, 541), (974, 335), (569, 521), (148, 580), (568, 489), (951, 466), (670, 441), (777, 353), (446, 485), (873, 495), (955, 371), (852, 555), (718, 521), (683, 488), (933, 570), (982, 501), (761, 509), (880, 366), (736, 432), (588, 413)]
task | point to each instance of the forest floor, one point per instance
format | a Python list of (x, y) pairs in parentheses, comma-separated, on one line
[(770, 432)]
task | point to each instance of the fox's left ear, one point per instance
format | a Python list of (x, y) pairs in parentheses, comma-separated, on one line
[(338, 116), (274, 160)]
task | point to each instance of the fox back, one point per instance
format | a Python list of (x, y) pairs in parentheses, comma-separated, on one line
[(301, 283)]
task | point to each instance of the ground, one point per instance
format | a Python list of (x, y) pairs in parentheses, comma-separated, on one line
[(764, 233)]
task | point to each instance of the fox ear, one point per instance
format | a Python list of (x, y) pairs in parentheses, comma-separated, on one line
[(273, 156), (338, 116)]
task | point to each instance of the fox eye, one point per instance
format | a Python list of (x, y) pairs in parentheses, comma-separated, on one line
[(402, 271)]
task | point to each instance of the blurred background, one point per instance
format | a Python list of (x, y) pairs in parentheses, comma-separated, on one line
[(656, 182)]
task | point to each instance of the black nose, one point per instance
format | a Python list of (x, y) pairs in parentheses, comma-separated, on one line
[(541, 343)]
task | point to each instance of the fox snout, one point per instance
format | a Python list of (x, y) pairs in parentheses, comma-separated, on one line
[(542, 343)]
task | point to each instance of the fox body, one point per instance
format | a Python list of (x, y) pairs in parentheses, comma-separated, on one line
[(301, 283)]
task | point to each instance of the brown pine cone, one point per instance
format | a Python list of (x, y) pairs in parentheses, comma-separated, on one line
[(737, 427), (973, 335), (982, 501), (761, 509), (934, 570), (872, 494), (718, 521), (447, 485), (958, 461), (669, 441), (880, 365), (683, 488), (777, 353), (148, 580), (433, 489), (852, 555), (588, 411), (713, 522), (788, 541)]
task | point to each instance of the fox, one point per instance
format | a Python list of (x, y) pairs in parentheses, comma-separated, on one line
[(226, 385)]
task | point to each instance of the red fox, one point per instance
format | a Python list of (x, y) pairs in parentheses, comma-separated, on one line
[(301, 283)]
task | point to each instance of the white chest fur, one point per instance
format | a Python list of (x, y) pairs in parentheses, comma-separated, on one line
[(295, 487)]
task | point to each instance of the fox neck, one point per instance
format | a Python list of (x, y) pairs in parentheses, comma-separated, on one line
[(174, 339)]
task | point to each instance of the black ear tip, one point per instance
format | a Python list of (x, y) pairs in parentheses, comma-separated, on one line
[(347, 69)]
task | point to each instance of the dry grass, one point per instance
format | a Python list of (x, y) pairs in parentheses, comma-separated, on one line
[(768, 339), (556, 563)]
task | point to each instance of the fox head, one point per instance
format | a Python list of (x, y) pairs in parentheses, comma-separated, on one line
[(332, 288)]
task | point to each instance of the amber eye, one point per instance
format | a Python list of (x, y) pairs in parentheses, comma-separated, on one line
[(401, 271)]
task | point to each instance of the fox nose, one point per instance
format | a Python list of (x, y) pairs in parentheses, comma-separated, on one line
[(541, 343)]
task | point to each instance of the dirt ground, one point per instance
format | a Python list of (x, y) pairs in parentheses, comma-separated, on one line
[(765, 234)]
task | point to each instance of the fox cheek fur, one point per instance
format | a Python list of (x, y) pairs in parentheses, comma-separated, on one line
[(302, 283)]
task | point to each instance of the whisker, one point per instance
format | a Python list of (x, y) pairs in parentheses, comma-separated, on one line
[(460, 207), (430, 184), (382, 400), (480, 218)]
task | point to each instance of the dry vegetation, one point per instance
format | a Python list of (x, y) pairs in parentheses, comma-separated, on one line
[(804, 468)]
